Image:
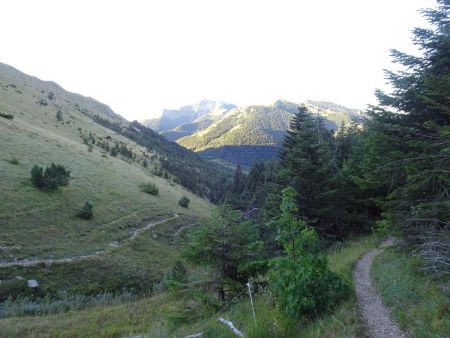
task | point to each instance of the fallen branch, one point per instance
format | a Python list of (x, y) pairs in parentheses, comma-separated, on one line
[(231, 327)]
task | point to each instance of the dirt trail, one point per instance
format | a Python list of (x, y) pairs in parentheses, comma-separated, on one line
[(114, 245), (376, 316)]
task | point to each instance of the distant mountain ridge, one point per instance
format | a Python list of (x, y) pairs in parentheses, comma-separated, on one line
[(243, 135), (176, 123)]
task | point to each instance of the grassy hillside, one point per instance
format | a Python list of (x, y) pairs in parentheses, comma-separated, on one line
[(38, 224), (151, 316)]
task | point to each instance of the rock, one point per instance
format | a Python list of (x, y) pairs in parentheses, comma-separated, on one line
[(19, 277), (32, 283)]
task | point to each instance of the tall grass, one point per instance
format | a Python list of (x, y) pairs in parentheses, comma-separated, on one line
[(421, 305), (63, 302)]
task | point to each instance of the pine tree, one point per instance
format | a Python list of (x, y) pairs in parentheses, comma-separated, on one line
[(225, 244), (307, 166), (408, 153)]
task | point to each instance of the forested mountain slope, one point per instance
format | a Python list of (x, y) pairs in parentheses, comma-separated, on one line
[(247, 134)]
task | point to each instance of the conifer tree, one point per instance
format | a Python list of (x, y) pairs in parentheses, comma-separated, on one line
[(306, 165), (408, 154)]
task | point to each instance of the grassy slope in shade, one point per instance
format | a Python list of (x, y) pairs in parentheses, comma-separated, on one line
[(150, 315), (36, 224), (420, 305), (134, 267)]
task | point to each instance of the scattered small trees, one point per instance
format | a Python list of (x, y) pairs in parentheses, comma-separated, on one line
[(184, 202), (86, 212), (50, 178)]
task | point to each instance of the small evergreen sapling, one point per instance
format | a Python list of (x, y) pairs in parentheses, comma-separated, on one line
[(86, 212), (59, 116), (301, 281)]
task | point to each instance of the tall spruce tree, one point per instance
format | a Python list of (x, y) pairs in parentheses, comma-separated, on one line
[(408, 140), (306, 165)]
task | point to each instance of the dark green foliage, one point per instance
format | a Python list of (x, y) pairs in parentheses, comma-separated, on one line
[(245, 155), (301, 280), (50, 178), (305, 286), (14, 161), (145, 163), (86, 212), (175, 277), (59, 115), (115, 150), (42, 102), (225, 244), (115, 126), (307, 166), (184, 202), (37, 176), (248, 191), (149, 188), (7, 116), (407, 156), (50, 96)]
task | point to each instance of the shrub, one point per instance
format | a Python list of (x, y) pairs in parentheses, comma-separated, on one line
[(42, 102), (14, 161), (59, 115), (184, 202), (305, 286), (86, 212), (301, 281), (7, 116), (149, 188), (50, 178), (37, 176)]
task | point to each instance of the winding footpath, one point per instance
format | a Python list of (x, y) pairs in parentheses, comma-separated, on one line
[(114, 245), (376, 316)]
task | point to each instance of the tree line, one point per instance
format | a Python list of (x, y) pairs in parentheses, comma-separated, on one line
[(392, 175)]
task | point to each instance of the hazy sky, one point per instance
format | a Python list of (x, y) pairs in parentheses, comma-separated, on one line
[(141, 56)]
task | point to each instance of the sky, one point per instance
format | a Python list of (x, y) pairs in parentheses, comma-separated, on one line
[(140, 56)]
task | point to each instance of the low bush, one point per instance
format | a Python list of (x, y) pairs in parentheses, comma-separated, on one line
[(149, 188), (59, 116), (184, 202), (7, 116), (306, 286), (86, 212), (50, 178), (14, 161)]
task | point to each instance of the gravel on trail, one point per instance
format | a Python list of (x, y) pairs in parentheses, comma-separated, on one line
[(376, 316)]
